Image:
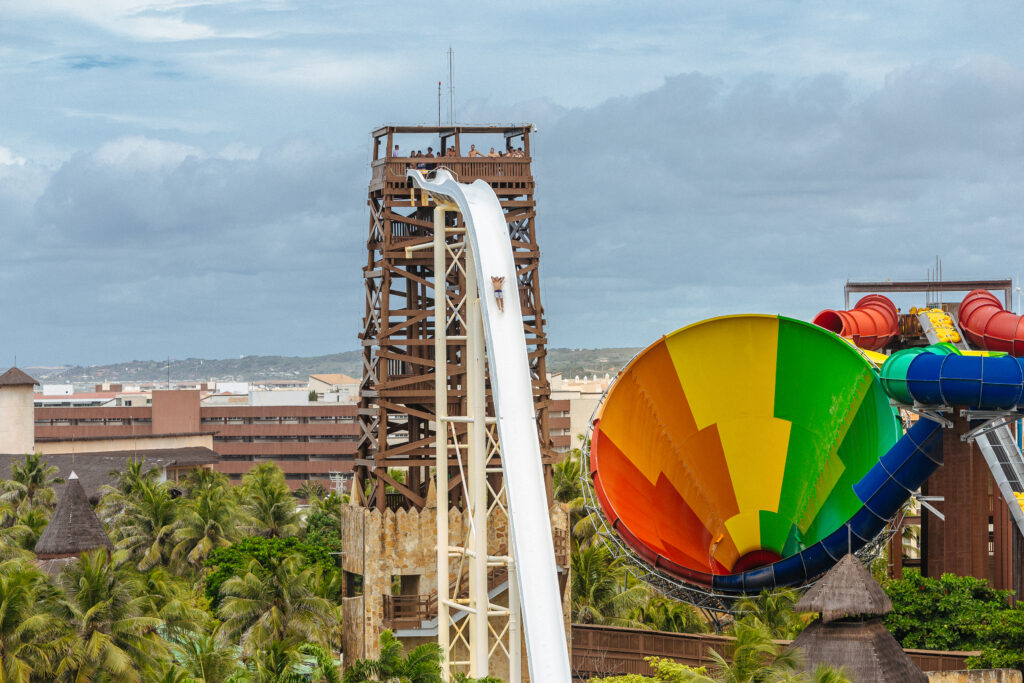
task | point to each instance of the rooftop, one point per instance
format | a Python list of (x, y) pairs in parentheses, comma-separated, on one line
[(95, 469), (74, 527), (847, 590), (16, 378), (335, 378)]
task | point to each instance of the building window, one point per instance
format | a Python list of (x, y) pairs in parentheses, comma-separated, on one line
[(353, 585)]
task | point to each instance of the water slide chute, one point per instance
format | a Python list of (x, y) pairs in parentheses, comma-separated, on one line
[(871, 323), (512, 390), (747, 452), (940, 375), (989, 326)]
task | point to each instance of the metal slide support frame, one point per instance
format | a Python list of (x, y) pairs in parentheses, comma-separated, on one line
[(475, 612), (441, 432)]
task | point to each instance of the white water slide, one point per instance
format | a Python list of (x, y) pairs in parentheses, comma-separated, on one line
[(533, 550)]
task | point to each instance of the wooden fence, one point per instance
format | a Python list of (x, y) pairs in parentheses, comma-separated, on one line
[(611, 651)]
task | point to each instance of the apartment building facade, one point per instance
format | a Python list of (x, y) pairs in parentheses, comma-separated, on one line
[(309, 442)]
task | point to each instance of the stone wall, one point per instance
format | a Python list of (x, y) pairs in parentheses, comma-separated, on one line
[(380, 545)]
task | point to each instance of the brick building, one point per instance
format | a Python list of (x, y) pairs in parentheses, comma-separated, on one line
[(307, 442)]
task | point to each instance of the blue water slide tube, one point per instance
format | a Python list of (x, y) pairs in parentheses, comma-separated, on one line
[(935, 376)]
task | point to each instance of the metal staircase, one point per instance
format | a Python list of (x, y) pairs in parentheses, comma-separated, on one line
[(1006, 463)]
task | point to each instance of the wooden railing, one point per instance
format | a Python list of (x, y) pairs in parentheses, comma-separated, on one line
[(395, 501), (466, 170), (608, 650), (409, 611)]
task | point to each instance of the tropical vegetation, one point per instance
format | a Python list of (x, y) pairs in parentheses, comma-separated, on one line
[(957, 613), (207, 583)]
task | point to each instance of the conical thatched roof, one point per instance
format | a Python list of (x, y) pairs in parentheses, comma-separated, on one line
[(16, 378), (74, 528), (864, 649), (847, 590)]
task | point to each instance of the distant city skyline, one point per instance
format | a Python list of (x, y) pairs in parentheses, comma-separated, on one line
[(188, 179)]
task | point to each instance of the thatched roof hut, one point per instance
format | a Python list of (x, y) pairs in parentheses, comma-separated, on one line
[(847, 590), (74, 528), (850, 632)]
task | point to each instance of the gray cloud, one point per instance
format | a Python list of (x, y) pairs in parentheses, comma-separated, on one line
[(700, 197), (146, 247)]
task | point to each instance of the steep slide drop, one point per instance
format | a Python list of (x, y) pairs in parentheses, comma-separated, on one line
[(747, 452), (509, 367)]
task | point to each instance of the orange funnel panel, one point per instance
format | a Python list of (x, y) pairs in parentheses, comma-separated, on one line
[(872, 323), (988, 325)]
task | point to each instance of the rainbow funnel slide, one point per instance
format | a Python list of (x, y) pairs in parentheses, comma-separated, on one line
[(746, 452)]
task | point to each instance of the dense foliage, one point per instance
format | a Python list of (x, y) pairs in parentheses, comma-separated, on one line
[(957, 613), (207, 583), (754, 657), (236, 559)]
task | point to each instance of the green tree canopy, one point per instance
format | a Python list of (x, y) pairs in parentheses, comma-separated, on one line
[(234, 560)]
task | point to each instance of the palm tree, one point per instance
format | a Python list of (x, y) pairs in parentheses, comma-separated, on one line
[(754, 657), (27, 529), (178, 602), (205, 657), (601, 589), (28, 627), (206, 522), (115, 631), (311, 490), (663, 614), (166, 672), (566, 485), (269, 502), (774, 609), (274, 601), (421, 665), (282, 662), (128, 481), (587, 527), (31, 482), (201, 479), (148, 522)]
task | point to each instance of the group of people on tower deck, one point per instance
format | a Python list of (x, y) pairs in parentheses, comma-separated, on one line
[(510, 152)]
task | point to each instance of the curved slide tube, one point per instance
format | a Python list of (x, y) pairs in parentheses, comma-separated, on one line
[(871, 323), (509, 367), (747, 452), (989, 326), (939, 375)]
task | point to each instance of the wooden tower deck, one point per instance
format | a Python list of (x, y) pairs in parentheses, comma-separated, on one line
[(396, 406)]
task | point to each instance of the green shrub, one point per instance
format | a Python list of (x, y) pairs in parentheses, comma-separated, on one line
[(233, 560), (942, 614)]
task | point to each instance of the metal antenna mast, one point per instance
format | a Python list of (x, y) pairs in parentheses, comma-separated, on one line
[(451, 86)]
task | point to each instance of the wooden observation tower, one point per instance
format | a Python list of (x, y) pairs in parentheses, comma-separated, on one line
[(397, 404)]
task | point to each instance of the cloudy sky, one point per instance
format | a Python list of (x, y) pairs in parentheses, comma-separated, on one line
[(188, 177)]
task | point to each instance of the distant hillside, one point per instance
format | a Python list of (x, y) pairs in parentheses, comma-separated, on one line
[(570, 362)]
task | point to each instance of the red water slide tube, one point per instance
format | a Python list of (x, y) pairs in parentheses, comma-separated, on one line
[(871, 323), (988, 325)]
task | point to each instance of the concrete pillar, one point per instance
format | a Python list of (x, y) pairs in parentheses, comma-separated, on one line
[(17, 413)]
